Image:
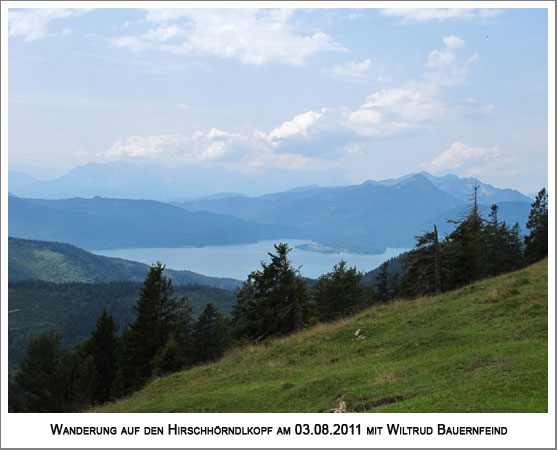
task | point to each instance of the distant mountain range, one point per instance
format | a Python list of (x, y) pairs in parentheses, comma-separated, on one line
[(122, 179), (362, 218), (374, 214), (102, 223)]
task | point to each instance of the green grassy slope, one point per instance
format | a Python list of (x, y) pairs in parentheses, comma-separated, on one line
[(482, 348)]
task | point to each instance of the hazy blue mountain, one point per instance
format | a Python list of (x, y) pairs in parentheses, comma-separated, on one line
[(369, 216), (249, 208), (103, 223), (18, 181), (60, 262), (362, 217), (462, 188), (123, 180), (221, 196)]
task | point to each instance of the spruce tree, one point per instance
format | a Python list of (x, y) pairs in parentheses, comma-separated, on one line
[(42, 382), (338, 293), (466, 250), (382, 284), (158, 317), (211, 335), (425, 266), (272, 300), (102, 346), (537, 240)]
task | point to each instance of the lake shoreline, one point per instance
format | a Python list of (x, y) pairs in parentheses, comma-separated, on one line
[(239, 260)]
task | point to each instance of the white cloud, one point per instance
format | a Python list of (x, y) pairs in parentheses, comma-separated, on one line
[(142, 147), (445, 67), (183, 106), (438, 14), (414, 102), (33, 24), (297, 126), (217, 145), (248, 35), (321, 138), (354, 71), (220, 135), (461, 155)]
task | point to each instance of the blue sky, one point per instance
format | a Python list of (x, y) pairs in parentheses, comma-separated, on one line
[(290, 97)]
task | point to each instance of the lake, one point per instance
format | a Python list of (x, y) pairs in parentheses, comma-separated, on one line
[(238, 261)]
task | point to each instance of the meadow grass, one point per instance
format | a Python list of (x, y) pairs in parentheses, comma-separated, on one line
[(482, 348)]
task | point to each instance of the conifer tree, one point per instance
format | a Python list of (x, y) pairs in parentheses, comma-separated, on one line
[(338, 293), (467, 258), (42, 382), (382, 285), (158, 317), (425, 266), (211, 335), (271, 300), (537, 240), (102, 346)]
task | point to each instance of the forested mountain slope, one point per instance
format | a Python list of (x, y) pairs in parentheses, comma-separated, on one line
[(59, 262), (103, 223)]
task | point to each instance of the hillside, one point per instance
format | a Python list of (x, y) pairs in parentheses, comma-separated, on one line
[(482, 348), (35, 307), (59, 262), (103, 223)]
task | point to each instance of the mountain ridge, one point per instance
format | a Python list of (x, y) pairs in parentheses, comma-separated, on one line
[(64, 263)]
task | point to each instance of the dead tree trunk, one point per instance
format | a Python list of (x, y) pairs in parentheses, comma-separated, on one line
[(436, 261)]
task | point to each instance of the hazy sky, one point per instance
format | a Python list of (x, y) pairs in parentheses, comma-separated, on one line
[(325, 96)]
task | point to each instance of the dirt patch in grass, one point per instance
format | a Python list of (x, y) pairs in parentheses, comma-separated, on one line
[(366, 403)]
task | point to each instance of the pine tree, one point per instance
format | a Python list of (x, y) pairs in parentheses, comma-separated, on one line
[(537, 241), (42, 382), (211, 335), (425, 266), (338, 293), (466, 251), (271, 300), (382, 285), (158, 317), (102, 346)]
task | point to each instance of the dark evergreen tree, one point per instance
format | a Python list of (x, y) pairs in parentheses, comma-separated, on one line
[(425, 266), (272, 300), (338, 293), (467, 260), (502, 246), (382, 287), (85, 382), (211, 335), (103, 346), (537, 240), (476, 249), (43, 380), (159, 315)]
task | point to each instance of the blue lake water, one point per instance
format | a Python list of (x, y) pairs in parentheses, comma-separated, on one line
[(238, 261)]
